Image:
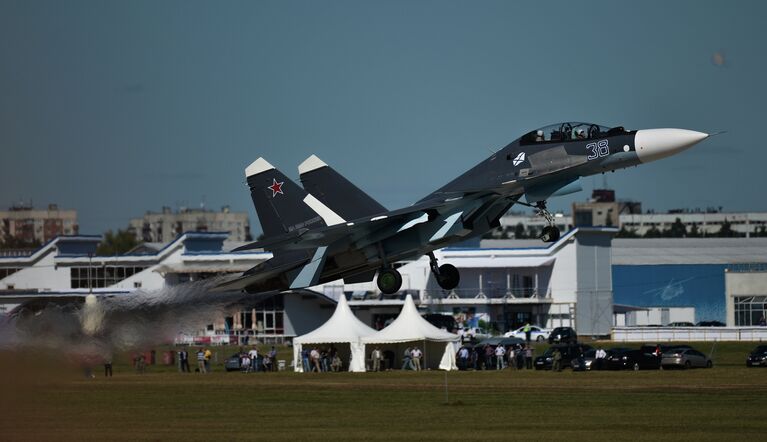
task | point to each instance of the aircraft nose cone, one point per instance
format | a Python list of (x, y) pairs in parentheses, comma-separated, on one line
[(654, 144)]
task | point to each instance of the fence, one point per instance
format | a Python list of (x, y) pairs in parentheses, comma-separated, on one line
[(688, 334)]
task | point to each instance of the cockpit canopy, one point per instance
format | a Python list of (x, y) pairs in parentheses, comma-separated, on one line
[(569, 131)]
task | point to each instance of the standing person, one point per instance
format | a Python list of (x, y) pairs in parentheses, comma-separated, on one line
[(273, 357), (208, 356), (511, 354), (556, 359), (406, 360), (376, 357), (463, 358), (521, 358), (305, 360), (599, 357), (474, 358), (108, 367), (315, 357), (416, 358), (201, 361), (183, 360), (253, 355), (488, 357), (528, 350), (500, 353), (528, 332)]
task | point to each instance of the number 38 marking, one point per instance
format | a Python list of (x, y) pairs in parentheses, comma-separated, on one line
[(598, 149)]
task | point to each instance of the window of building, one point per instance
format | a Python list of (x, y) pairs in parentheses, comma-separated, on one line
[(750, 310), (7, 272), (270, 316), (100, 276)]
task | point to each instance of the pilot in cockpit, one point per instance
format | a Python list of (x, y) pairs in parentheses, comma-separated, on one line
[(580, 134), (539, 136)]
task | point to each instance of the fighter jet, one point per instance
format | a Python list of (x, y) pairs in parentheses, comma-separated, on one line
[(330, 229)]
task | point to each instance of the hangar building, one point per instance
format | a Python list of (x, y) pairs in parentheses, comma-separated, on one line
[(586, 280)]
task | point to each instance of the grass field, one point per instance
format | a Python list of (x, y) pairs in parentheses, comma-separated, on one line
[(44, 402)]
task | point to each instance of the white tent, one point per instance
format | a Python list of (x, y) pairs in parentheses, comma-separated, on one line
[(410, 327), (343, 327)]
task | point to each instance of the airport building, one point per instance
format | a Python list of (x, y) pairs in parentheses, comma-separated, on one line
[(165, 226), (29, 225), (588, 280), (747, 224)]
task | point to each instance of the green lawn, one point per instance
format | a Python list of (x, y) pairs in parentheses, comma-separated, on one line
[(41, 403)]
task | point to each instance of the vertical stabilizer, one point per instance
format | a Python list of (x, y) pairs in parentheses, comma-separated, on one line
[(335, 191)]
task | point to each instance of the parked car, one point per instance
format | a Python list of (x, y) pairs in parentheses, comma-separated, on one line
[(472, 333), (441, 321), (563, 335), (630, 359), (710, 324), (590, 357), (685, 358), (658, 349), (569, 352), (232, 363), (758, 357), (681, 324), (537, 333)]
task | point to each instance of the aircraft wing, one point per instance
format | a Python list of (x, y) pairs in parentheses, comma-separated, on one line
[(368, 228)]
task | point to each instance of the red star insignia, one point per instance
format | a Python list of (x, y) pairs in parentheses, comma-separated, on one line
[(276, 187)]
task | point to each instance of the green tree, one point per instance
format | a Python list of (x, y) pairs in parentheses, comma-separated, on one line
[(694, 231), (653, 232), (677, 230), (116, 243), (627, 233), (726, 230), (12, 242)]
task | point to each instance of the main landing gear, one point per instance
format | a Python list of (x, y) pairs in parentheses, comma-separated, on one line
[(550, 233), (389, 280), (447, 275)]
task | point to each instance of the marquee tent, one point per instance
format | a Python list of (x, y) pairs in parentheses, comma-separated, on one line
[(342, 328), (439, 346)]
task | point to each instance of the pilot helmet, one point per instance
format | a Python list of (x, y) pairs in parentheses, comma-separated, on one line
[(580, 133), (539, 132)]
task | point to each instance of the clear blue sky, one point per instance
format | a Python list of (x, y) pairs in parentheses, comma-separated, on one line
[(115, 108)]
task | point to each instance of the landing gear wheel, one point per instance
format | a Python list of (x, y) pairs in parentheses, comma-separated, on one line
[(389, 281), (449, 277), (550, 234)]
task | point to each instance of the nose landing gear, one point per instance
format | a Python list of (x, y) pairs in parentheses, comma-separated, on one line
[(550, 233)]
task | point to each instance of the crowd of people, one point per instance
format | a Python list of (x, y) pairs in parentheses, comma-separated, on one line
[(252, 361), (499, 357), (321, 360)]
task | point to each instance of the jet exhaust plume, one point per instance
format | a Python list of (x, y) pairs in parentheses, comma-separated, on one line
[(101, 326)]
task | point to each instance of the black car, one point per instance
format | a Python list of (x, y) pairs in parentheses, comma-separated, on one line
[(441, 321), (758, 357), (233, 362), (710, 324), (569, 353), (563, 335), (629, 359)]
